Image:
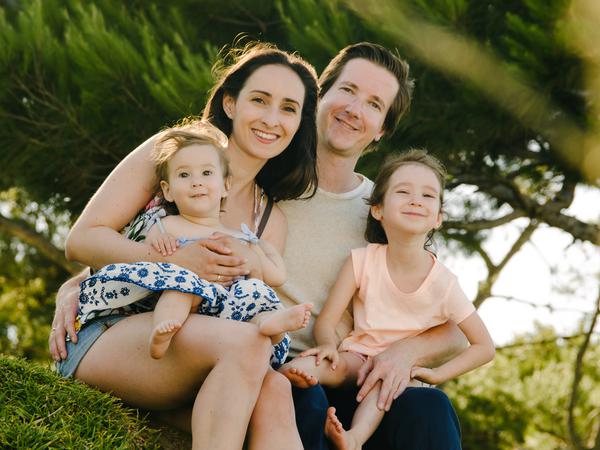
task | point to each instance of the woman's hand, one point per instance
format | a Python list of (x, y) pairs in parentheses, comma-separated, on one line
[(321, 352), (67, 301), (211, 259)]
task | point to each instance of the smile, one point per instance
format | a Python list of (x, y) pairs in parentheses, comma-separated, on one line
[(346, 124), (265, 136)]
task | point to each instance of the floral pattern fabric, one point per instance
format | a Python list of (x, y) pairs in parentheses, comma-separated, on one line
[(119, 286)]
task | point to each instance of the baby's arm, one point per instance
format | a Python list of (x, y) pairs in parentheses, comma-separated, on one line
[(477, 354), (272, 267), (164, 243)]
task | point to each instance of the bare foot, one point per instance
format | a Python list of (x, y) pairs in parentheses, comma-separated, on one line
[(341, 439), (161, 336), (283, 320), (299, 378)]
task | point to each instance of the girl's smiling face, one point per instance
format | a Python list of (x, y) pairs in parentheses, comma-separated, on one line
[(412, 201), (267, 112)]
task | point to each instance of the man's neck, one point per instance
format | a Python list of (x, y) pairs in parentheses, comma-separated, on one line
[(336, 172)]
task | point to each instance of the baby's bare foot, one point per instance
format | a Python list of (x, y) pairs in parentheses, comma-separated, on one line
[(283, 320), (299, 378), (341, 439), (161, 336)]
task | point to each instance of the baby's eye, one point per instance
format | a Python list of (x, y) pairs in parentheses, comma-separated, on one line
[(207, 172), (183, 174)]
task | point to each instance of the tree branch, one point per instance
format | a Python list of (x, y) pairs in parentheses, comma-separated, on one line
[(577, 375), (479, 225), (484, 290), (25, 233)]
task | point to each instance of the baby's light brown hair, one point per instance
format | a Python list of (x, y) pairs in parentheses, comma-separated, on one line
[(188, 132)]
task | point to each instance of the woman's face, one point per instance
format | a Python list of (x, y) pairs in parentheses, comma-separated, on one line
[(267, 112)]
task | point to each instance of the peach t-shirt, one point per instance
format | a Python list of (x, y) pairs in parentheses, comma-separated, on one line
[(383, 314)]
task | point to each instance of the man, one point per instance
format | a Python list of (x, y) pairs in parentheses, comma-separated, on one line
[(365, 90)]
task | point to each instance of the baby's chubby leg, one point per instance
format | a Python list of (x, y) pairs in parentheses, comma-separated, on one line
[(303, 372), (275, 323), (170, 312)]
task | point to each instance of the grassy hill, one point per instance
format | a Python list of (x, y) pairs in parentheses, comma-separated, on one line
[(41, 410)]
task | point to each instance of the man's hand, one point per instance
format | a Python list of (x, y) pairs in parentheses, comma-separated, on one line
[(392, 370), (67, 301), (321, 352)]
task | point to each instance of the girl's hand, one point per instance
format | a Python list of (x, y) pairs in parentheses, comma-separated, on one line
[(321, 352), (165, 244), (429, 376)]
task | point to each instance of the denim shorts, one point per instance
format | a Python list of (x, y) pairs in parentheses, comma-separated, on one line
[(85, 339)]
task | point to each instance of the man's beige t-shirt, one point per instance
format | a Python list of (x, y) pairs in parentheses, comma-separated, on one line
[(321, 232)]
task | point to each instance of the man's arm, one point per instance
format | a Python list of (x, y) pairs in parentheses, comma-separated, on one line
[(392, 366)]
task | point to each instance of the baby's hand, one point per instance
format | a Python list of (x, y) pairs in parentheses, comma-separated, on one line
[(425, 375), (165, 244), (321, 352)]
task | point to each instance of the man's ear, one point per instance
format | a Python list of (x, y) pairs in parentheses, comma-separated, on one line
[(376, 212), (166, 190), (229, 106), (379, 135)]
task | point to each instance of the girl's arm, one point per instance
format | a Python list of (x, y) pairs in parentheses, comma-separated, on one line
[(324, 330), (95, 239), (477, 354)]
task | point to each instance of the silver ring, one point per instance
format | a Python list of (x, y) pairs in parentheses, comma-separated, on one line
[(53, 328)]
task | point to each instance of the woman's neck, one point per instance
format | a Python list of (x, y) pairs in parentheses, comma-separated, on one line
[(244, 167)]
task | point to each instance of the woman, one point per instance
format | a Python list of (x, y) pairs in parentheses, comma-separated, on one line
[(265, 102)]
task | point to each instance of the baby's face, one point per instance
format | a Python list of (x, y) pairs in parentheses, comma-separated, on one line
[(195, 181)]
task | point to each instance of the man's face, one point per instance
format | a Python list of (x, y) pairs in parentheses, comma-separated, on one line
[(351, 114)]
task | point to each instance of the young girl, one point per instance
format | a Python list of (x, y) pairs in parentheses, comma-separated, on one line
[(398, 289), (193, 173)]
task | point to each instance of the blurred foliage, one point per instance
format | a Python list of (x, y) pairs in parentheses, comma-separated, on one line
[(520, 400)]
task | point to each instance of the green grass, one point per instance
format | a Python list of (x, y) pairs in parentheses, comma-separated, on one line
[(39, 410)]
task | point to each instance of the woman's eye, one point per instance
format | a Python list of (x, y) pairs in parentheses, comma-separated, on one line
[(258, 100), (289, 109)]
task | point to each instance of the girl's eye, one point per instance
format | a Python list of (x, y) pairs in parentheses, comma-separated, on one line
[(207, 173), (428, 196), (402, 192)]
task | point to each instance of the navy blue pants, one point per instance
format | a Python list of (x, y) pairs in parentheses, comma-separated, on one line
[(420, 419)]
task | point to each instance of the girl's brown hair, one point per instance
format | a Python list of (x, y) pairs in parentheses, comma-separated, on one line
[(375, 232)]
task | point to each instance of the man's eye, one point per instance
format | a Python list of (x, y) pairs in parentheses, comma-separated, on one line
[(375, 105), (346, 89)]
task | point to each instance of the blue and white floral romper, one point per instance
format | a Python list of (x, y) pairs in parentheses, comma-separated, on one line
[(119, 285)]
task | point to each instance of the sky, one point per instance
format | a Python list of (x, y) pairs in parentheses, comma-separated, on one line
[(548, 270)]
